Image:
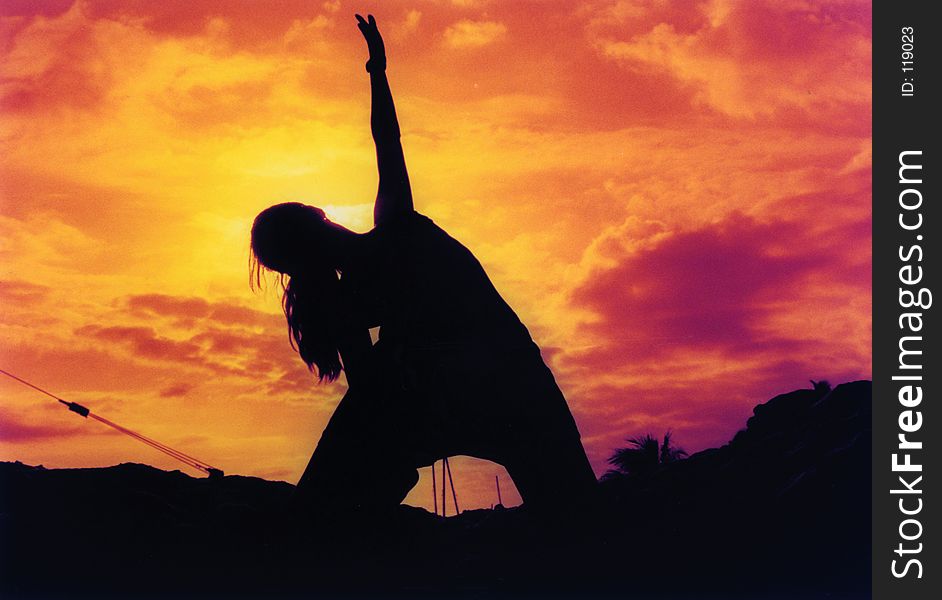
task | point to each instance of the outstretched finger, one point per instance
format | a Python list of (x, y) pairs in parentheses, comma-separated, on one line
[(372, 20), (360, 20)]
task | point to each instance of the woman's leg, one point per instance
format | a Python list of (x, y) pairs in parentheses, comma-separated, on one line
[(551, 473), (358, 463), (545, 457), (516, 415)]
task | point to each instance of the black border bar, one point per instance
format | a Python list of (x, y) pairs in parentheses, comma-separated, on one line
[(907, 370)]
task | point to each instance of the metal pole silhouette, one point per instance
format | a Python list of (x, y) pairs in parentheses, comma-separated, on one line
[(443, 486), (454, 496), (434, 491)]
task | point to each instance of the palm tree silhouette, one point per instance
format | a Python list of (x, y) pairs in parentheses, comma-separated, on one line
[(644, 454)]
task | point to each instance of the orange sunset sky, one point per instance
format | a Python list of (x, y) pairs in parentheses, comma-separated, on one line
[(674, 196)]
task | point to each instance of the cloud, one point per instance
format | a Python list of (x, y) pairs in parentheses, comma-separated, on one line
[(409, 25), (49, 57), (198, 336), (14, 430), (473, 34), (193, 307), (717, 286), (162, 304), (43, 423), (702, 287), (750, 59), (21, 292), (301, 29), (690, 328), (46, 241), (177, 390), (144, 341)]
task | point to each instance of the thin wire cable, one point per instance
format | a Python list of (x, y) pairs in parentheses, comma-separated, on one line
[(38, 389), (193, 462), (175, 453), (148, 440), (180, 456)]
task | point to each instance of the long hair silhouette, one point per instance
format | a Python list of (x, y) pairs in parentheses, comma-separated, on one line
[(310, 287)]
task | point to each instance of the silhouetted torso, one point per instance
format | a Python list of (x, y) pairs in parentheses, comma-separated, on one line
[(426, 290), (455, 372)]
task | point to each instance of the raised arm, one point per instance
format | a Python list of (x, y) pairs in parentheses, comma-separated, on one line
[(394, 196)]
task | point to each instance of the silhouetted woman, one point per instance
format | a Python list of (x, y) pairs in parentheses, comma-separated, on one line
[(454, 370)]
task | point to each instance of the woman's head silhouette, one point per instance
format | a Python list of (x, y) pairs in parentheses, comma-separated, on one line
[(294, 239), (285, 237)]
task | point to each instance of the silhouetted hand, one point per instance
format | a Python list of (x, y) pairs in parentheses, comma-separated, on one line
[(374, 41)]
